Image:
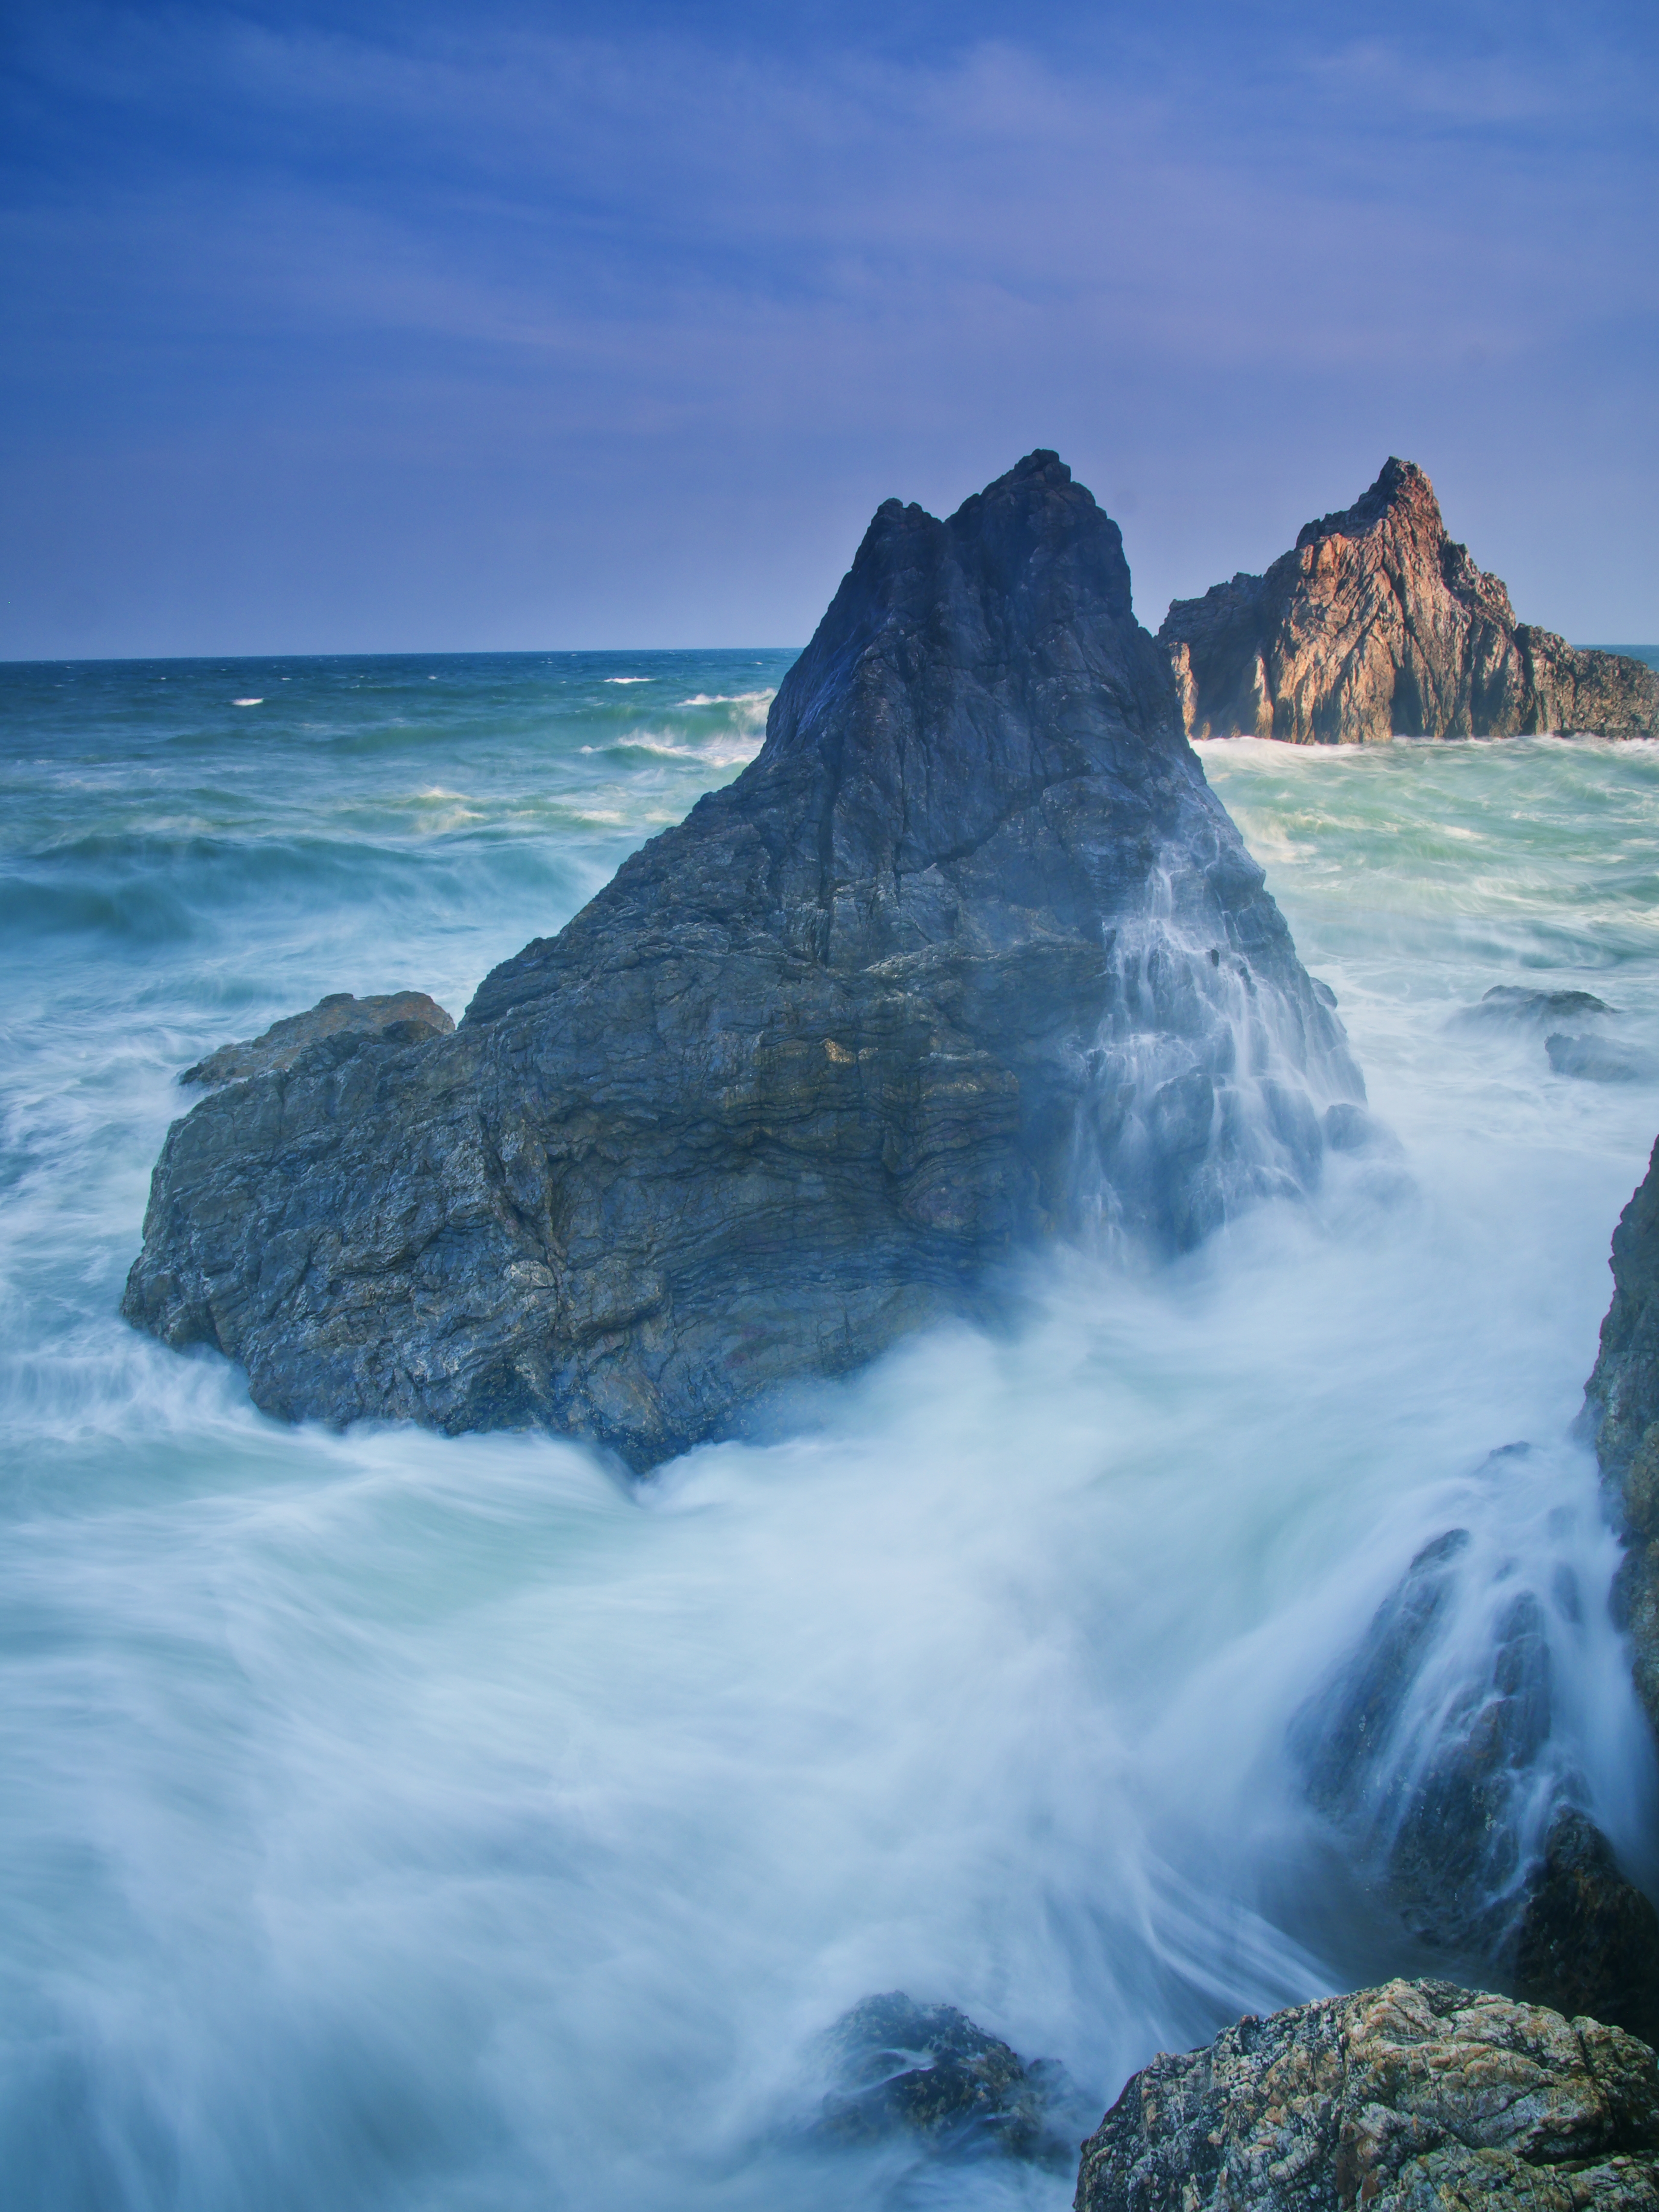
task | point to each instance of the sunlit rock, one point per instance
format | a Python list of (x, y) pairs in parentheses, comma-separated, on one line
[(1378, 624)]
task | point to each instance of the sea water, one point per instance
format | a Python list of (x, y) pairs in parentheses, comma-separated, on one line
[(450, 1826)]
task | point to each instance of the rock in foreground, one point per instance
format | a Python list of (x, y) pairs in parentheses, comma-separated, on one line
[(283, 1042), (1378, 624), (968, 957), (1410, 2098)]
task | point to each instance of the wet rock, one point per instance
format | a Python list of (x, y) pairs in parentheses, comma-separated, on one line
[(1621, 1401), (927, 2071), (1424, 1752), (1429, 1756), (409, 1016), (1594, 1060), (969, 958), (1378, 624), (1412, 2096), (1588, 1939), (1510, 1003)]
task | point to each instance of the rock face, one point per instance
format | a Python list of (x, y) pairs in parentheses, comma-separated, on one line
[(927, 2071), (1622, 1403), (284, 1041), (1409, 2098), (970, 955), (1376, 625)]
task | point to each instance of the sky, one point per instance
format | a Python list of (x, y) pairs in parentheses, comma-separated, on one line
[(418, 327)]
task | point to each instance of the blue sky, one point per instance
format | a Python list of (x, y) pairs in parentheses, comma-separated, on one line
[(391, 327)]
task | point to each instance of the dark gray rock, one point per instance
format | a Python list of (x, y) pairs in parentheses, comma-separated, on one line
[(1510, 1003), (411, 1014), (925, 2070), (1588, 1940), (1378, 624), (1621, 1401), (968, 958), (1415, 2097), (1427, 1751)]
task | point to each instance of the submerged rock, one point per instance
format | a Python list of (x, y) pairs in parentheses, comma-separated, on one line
[(927, 2071), (968, 957), (410, 1013), (1511, 1003), (1621, 1401), (1416, 2094), (1377, 624), (1594, 1060)]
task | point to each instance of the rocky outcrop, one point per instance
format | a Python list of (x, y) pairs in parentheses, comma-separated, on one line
[(1376, 625), (1430, 1752), (410, 1013), (926, 2071), (968, 957), (1622, 1404), (1409, 2098)]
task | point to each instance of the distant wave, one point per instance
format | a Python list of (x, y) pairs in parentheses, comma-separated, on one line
[(630, 679)]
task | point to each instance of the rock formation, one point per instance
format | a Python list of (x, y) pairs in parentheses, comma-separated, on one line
[(1438, 1775), (1376, 625), (282, 1044), (970, 955), (927, 2071), (1622, 1404), (1409, 2098)]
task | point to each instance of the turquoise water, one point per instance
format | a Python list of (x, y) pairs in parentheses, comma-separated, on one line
[(388, 1820)]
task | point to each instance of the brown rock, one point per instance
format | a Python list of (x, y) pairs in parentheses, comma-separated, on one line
[(1416, 2094), (1376, 625), (283, 1042)]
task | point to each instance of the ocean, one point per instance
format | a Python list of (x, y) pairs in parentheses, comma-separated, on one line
[(452, 1826)]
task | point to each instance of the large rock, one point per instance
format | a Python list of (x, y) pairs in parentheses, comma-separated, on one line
[(1410, 2098), (1622, 1403), (1377, 624), (968, 957)]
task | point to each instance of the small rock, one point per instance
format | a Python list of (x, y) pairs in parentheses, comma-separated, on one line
[(1593, 1061), (283, 1042), (1509, 1002), (927, 2070), (1416, 2094)]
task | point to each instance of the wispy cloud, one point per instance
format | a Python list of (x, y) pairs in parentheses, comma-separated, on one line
[(483, 235)]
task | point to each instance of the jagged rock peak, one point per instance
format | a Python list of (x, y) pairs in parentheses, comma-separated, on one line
[(970, 957), (1378, 624)]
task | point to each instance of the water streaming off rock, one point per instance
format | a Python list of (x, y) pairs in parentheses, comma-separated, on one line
[(401, 1822)]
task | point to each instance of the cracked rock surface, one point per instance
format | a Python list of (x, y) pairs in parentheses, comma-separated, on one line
[(970, 957), (1416, 2097), (1378, 624)]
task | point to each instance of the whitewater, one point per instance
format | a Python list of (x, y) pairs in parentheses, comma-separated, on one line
[(457, 1826)]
